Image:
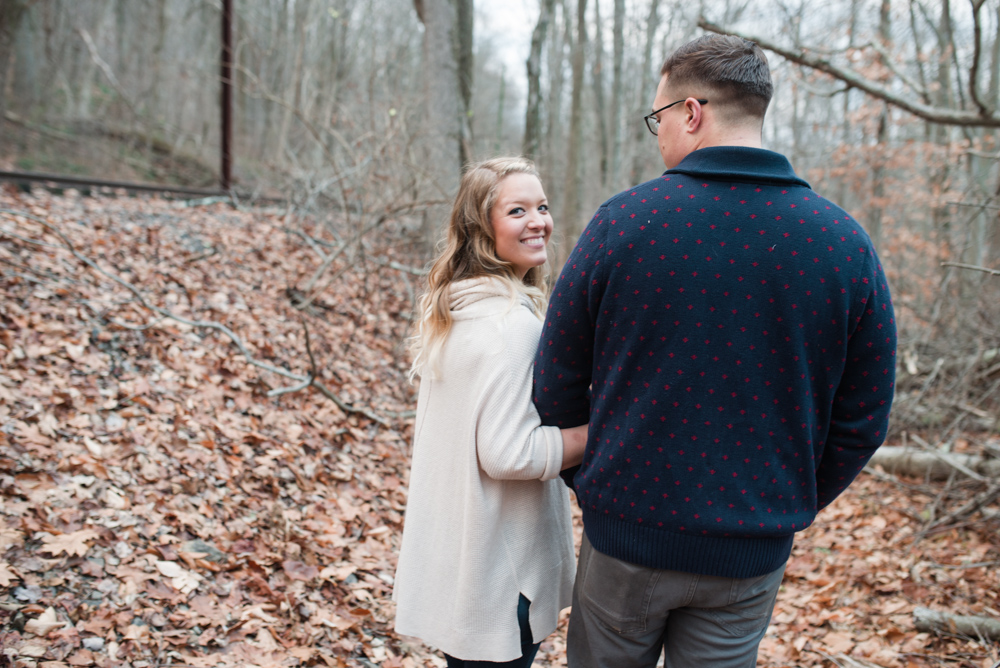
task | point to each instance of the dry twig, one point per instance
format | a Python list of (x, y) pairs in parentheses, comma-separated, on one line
[(959, 265)]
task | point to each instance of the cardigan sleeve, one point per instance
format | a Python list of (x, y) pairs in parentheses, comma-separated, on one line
[(860, 412), (511, 442)]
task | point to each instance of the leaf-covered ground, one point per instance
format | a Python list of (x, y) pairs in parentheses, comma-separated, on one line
[(158, 508)]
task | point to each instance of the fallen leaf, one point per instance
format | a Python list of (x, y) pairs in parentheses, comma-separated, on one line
[(73, 544), (7, 574), (297, 570), (257, 612), (32, 650), (45, 623), (9, 537), (171, 569), (838, 643), (265, 641), (82, 657)]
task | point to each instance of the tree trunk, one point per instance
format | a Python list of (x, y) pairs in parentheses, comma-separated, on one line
[(846, 127), (646, 93), (533, 113), (445, 111), (994, 81), (933, 621), (599, 102), (993, 97), (464, 56), (561, 38), (942, 220), (573, 188), (618, 51), (881, 149), (932, 465), (11, 12)]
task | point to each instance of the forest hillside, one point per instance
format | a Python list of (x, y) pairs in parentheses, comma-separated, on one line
[(205, 416), (195, 472)]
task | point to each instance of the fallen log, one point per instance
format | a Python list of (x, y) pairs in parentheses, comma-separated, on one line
[(933, 621), (933, 465)]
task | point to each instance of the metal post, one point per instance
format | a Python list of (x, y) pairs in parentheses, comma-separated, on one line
[(226, 178)]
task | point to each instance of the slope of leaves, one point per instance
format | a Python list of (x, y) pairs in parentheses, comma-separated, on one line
[(159, 508)]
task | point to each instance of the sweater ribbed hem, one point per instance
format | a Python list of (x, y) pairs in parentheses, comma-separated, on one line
[(705, 555)]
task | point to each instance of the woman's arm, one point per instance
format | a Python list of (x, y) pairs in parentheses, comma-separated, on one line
[(574, 443), (511, 442)]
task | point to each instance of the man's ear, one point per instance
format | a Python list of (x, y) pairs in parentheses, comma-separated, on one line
[(694, 115)]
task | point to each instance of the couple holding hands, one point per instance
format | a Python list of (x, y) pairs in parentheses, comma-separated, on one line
[(715, 366)]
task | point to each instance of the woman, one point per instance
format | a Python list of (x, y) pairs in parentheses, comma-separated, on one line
[(486, 562)]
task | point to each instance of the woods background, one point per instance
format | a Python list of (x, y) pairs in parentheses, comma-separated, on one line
[(345, 110), (353, 119)]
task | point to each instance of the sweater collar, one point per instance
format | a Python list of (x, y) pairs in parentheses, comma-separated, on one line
[(469, 291), (739, 163)]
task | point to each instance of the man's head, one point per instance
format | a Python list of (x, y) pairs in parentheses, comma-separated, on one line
[(732, 74)]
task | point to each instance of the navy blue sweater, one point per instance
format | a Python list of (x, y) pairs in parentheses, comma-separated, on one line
[(729, 335)]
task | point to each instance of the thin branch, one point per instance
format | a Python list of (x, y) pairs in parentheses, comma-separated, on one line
[(7, 233), (312, 129), (979, 501), (307, 383), (311, 380), (977, 30), (960, 467), (310, 241), (400, 267), (992, 272), (384, 216), (927, 112), (106, 69), (207, 324), (981, 205), (888, 61)]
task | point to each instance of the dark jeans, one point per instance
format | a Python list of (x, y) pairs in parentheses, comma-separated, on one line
[(528, 649)]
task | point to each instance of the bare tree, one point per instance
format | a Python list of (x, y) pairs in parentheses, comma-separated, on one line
[(574, 170), (618, 54), (878, 170), (533, 113), (11, 12), (600, 104), (447, 50), (645, 91)]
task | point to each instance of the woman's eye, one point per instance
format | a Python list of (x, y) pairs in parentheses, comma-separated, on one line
[(544, 207), (515, 211)]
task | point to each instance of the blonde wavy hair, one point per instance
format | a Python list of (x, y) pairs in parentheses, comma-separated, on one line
[(470, 251)]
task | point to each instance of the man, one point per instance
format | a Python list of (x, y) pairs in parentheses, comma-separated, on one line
[(729, 335)]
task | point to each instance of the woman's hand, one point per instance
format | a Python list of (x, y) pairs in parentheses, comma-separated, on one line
[(574, 444)]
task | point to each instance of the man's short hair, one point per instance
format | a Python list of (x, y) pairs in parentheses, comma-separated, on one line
[(730, 71)]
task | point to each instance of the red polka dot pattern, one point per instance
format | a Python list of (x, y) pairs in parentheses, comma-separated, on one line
[(732, 345)]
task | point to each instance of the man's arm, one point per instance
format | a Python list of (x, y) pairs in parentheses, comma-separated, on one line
[(861, 406), (563, 366)]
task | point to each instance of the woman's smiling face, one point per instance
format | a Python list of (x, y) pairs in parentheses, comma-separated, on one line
[(521, 222)]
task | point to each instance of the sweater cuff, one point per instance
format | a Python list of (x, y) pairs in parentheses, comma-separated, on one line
[(553, 452)]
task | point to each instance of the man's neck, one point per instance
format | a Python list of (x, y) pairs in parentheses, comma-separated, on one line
[(746, 137)]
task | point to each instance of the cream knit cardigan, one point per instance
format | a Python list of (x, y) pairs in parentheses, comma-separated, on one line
[(487, 517)]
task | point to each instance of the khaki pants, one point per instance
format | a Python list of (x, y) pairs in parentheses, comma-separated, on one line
[(624, 615)]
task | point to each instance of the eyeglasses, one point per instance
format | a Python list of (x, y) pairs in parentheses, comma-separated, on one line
[(653, 123)]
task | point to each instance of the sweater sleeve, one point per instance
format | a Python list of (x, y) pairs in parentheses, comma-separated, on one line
[(860, 412), (564, 364), (511, 442)]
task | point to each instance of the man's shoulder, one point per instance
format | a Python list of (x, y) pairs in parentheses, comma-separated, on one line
[(637, 194)]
